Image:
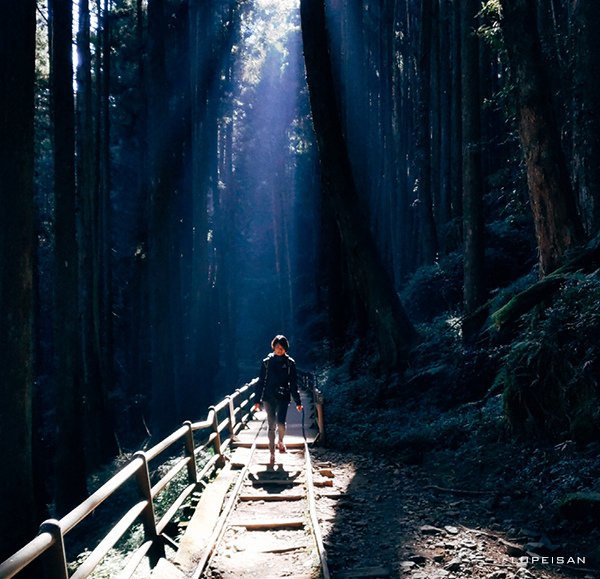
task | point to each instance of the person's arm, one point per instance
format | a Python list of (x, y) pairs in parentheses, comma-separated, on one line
[(259, 389), (294, 386)]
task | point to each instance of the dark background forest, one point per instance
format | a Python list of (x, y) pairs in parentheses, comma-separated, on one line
[(408, 189)]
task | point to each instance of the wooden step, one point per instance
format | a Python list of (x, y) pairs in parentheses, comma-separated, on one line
[(278, 497), (284, 481), (263, 445), (269, 524)]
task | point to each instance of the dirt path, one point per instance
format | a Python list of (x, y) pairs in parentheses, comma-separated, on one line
[(449, 517)]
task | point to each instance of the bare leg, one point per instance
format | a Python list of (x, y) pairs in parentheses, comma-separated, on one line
[(282, 407), (270, 409)]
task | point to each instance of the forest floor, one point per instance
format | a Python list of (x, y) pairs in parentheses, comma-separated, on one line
[(484, 508)]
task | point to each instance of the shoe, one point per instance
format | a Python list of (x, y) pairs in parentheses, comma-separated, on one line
[(272, 459), (281, 447)]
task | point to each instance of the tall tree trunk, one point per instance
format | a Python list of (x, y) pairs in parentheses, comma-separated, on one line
[(159, 158), (98, 435), (104, 258), (473, 225), (556, 222), (370, 281), (435, 121), (17, 58), (202, 78), (456, 153), (586, 125), (70, 461), (403, 130), (446, 71), (429, 246), (141, 336), (225, 220)]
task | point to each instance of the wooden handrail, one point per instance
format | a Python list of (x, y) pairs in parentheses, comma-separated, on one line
[(50, 540)]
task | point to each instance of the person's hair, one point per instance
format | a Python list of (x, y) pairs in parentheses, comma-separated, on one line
[(281, 341)]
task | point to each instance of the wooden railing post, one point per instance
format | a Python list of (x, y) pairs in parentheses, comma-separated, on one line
[(56, 557), (190, 452), (148, 516), (217, 441), (231, 415)]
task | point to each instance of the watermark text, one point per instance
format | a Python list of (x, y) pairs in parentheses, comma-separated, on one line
[(558, 560)]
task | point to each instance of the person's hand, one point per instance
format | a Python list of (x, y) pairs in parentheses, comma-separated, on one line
[(299, 408), (256, 407)]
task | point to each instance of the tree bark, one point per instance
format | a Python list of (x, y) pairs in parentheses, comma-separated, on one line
[(446, 71), (161, 205), (556, 222), (372, 284), (586, 98), (140, 336), (456, 153), (70, 461), (98, 436), (472, 199), (428, 241), (103, 144), (17, 58)]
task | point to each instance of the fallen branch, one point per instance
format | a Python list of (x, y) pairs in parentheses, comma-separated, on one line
[(528, 299), (585, 261), (458, 491)]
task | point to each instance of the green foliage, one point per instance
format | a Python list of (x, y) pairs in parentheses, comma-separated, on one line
[(434, 289), (448, 370), (510, 251), (362, 407), (546, 366), (550, 371), (490, 30), (360, 416)]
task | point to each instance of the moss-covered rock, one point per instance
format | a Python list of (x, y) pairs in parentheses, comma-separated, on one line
[(582, 507)]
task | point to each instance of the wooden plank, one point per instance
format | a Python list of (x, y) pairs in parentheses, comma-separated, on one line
[(331, 495), (283, 481), (269, 524), (204, 519), (289, 549), (323, 483), (263, 445), (278, 497)]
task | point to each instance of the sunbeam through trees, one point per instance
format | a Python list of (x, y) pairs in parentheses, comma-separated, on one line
[(409, 190)]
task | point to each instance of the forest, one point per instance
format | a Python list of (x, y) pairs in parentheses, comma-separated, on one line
[(409, 190)]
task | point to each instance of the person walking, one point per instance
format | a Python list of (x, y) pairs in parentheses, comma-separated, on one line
[(277, 384)]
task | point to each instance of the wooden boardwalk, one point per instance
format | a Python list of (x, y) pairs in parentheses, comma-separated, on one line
[(294, 434), (253, 519)]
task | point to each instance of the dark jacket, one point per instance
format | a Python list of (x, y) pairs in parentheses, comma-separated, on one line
[(278, 379)]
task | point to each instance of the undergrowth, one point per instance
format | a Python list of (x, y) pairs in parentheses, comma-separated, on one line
[(537, 379), (550, 372)]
